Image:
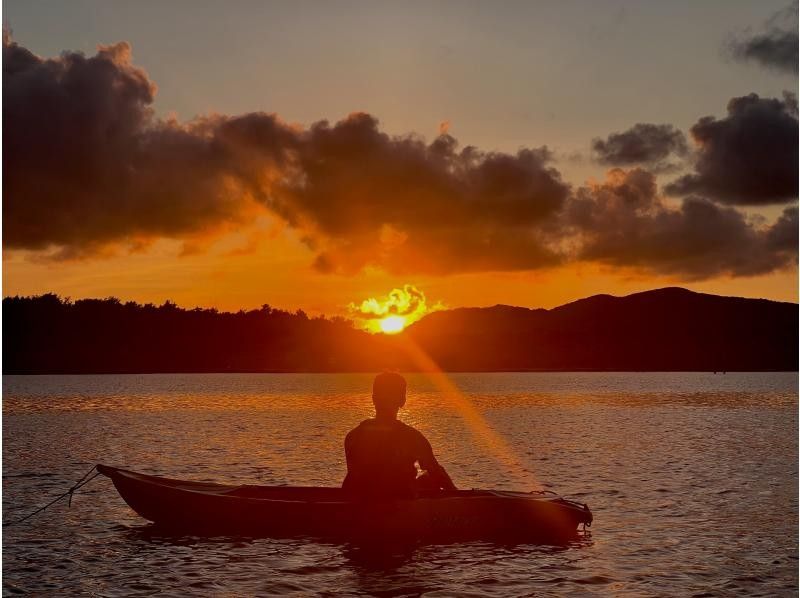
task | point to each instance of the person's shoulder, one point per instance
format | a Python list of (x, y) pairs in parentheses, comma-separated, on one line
[(358, 429), (408, 427), (413, 432), (362, 426)]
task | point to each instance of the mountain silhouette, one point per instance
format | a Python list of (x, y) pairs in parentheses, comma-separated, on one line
[(669, 329), (665, 329)]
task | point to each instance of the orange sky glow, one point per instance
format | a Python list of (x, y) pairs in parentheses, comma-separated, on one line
[(382, 208), (238, 272)]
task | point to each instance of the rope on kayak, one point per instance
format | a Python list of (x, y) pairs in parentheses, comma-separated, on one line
[(80, 483)]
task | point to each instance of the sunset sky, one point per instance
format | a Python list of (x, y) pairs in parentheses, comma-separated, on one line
[(315, 154)]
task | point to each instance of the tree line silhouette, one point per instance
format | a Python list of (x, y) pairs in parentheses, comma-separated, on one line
[(50, 334), (668, 329)]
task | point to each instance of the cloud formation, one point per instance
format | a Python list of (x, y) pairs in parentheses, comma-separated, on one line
[(624, 222), (368, 198), (88, 165), (643, 144), (775, 47), (86, 162), (747, 158)]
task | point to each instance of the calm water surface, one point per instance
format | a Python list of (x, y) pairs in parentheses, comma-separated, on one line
[(692, 479)]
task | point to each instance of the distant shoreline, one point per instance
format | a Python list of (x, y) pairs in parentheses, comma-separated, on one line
[(664, 330)]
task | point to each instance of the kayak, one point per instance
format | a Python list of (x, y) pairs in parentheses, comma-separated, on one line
[(327, 512)]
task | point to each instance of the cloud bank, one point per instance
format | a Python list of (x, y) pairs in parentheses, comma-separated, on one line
[(624, 222), (368, 198), (89, 165)]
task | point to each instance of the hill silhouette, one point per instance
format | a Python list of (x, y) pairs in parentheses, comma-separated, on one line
[(661, 330), (669, 329)]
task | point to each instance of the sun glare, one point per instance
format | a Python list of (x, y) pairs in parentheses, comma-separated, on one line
[(394, 312), (392, 324)]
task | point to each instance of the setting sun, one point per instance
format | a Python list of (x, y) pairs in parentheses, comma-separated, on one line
[(394, 312), (392, 324)]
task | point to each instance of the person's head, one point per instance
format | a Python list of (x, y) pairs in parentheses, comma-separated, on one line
[(388, 393)]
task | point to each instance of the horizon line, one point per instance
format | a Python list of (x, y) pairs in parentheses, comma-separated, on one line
[(68, 299)]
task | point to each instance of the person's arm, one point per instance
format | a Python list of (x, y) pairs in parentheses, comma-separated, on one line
[(347, 484), (348, 447), (428, 462)]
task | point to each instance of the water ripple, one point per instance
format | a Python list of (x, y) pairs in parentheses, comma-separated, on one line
[(692, 479)]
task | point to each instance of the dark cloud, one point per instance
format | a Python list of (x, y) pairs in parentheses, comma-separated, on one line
[(749, 157), (775, 47), (642, 144), (623, 222), (86, 162), (368, 198)]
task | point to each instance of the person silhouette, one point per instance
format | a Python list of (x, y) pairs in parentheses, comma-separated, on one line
[(382, 452)]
